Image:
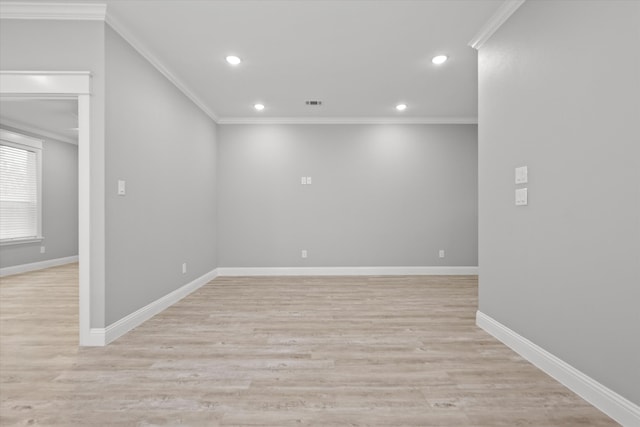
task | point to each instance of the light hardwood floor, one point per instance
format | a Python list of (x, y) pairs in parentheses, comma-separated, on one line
[(339, 351)]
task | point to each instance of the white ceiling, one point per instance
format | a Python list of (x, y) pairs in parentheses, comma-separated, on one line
[(359, 57), (55, 118)]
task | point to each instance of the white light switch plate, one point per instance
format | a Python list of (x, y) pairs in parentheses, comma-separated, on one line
[(522, 175), (521, 197), (303, 180), (121, 187)]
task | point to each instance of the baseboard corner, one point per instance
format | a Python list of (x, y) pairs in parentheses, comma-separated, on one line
[(131, 321), (94, 338)]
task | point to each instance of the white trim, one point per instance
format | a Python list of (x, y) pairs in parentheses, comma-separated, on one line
[(115, 24), (95, 337), (59, 11), (497, 19), (97, 12), (90, 224), (28, 73), (34, 83), (603, 398), (91, 240), (104, 336), (15, 10), (345, 120), (346, 271), (17, 138), (41, 132), (25, 268), (21, 241)]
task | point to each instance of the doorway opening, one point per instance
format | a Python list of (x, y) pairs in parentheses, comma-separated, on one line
[(73, 85), (39, 218)]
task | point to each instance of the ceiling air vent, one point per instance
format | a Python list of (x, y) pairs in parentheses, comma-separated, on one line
[(313, 102)]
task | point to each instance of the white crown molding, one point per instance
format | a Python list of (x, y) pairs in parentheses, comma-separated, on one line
[(347, 271), (346, 120), (96, 12), (36, 130), (611, 403), (497, 19), (58, 11), (163, 69), (34, 266)]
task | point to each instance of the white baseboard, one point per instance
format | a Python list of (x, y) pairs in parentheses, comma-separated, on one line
[(95, 338), (346, 271), (103, 336), (617, 407), (25, 268)]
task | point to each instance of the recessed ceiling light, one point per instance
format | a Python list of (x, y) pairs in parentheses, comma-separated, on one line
[(233, 60), (401, 107), (259, 107), (440, 59)]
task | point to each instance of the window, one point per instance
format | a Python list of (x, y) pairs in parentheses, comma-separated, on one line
[(20, 188)]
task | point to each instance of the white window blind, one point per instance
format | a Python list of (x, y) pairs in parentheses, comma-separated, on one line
[(19, 192)]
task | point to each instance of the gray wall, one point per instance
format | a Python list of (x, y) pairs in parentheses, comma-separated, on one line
[(559, 92), (165, 148), (381, 195), (45, 45), (59, 206)]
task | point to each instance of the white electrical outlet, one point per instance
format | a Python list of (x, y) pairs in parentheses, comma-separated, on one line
[(304, 253), (308, 180), (42, 249), (184, 267), (303, 180), (441, 253)]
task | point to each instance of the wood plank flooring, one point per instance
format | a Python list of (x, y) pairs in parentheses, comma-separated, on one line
[(322, 351)]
